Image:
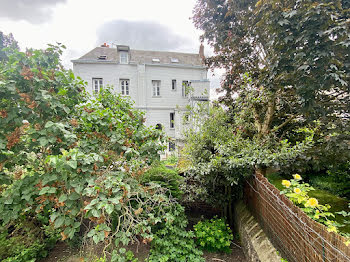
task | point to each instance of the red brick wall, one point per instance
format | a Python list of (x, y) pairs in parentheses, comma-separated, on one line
[(293, 233)]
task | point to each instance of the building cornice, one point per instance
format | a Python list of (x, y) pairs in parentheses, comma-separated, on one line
[(81, 61), (177, 66), (182, 108)]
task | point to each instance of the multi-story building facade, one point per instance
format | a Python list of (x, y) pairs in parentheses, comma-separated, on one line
[(158, 82)]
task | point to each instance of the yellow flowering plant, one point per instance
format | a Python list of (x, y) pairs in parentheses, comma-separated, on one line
[(298, 192)]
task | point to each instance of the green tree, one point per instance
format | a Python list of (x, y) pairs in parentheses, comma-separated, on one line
[(6, 41), (222, 153), (296, 54)]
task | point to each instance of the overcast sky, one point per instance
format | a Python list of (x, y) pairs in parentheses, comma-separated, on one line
[(84, 24)]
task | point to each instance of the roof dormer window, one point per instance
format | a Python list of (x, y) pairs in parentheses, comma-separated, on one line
[(124, 58), (102, 57)]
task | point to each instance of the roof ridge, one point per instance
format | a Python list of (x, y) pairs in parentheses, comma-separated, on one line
[(145, 50), (144, 56)]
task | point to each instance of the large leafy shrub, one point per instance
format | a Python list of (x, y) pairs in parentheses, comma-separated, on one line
[(76, 157), (164, 176), (223, 149)]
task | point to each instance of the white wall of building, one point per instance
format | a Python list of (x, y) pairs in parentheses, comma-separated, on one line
[(157, 109)]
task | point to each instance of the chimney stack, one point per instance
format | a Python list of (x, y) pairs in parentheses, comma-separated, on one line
[(201, 52)]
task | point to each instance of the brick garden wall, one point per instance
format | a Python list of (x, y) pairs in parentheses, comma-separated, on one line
[(298, 237)]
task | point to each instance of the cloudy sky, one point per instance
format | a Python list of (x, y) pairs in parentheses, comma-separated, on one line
[(84, 24)]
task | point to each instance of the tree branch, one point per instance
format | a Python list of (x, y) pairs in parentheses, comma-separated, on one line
[(270, 111), (283, 124), (257, 119)]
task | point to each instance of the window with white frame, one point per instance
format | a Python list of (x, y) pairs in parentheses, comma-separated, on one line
[(156, 87), (97, 84), (124, 57), (124, 87), (172, 120)]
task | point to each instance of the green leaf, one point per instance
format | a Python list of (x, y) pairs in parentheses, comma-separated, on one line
[(109, 208), (47, 190), (96, 212), (91, 233), (49, 124), (62, 198), (74, 196), (43, 141), (59, 221), (72, 163), (96, 239)]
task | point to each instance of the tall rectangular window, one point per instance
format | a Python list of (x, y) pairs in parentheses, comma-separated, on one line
[(97, 84), (185, 85), (172, 120), (156, 87), (124, 87), (173, 84), (171, 146), (123, 57)]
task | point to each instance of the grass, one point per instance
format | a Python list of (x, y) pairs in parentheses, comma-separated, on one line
[(324, 197)]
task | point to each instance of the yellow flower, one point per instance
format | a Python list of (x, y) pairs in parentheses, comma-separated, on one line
[(312, 202), (286, 183), (297, 176), (332, 229), (297, 190)]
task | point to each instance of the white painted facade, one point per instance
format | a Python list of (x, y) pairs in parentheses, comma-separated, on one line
[(141, 76)]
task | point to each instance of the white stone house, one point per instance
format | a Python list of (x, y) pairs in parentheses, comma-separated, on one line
[(155, 80)]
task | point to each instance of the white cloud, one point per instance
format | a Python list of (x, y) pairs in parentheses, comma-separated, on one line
[(144, 35), (82, 24), (33, 11)]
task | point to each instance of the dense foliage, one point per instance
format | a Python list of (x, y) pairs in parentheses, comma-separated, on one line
[(166, 177), (336, 180), (75, 158), (298, 192), (221, 153), (85, 166), (214, 235), (25, 241), (173, 243), (296, 57), (6, 41)]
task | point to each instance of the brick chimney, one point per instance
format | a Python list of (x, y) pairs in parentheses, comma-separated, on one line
[(201, 52)]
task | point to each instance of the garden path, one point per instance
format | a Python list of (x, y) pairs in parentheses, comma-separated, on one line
[(63, 253)]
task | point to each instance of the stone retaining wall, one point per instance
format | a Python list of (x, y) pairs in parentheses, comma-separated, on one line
[(256, 245)]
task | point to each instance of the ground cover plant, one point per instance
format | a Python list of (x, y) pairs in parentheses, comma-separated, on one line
[(214, 235), (173, 243), (25, 241)]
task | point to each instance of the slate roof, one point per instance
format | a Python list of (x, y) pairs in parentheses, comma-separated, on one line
[(140, 57)]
